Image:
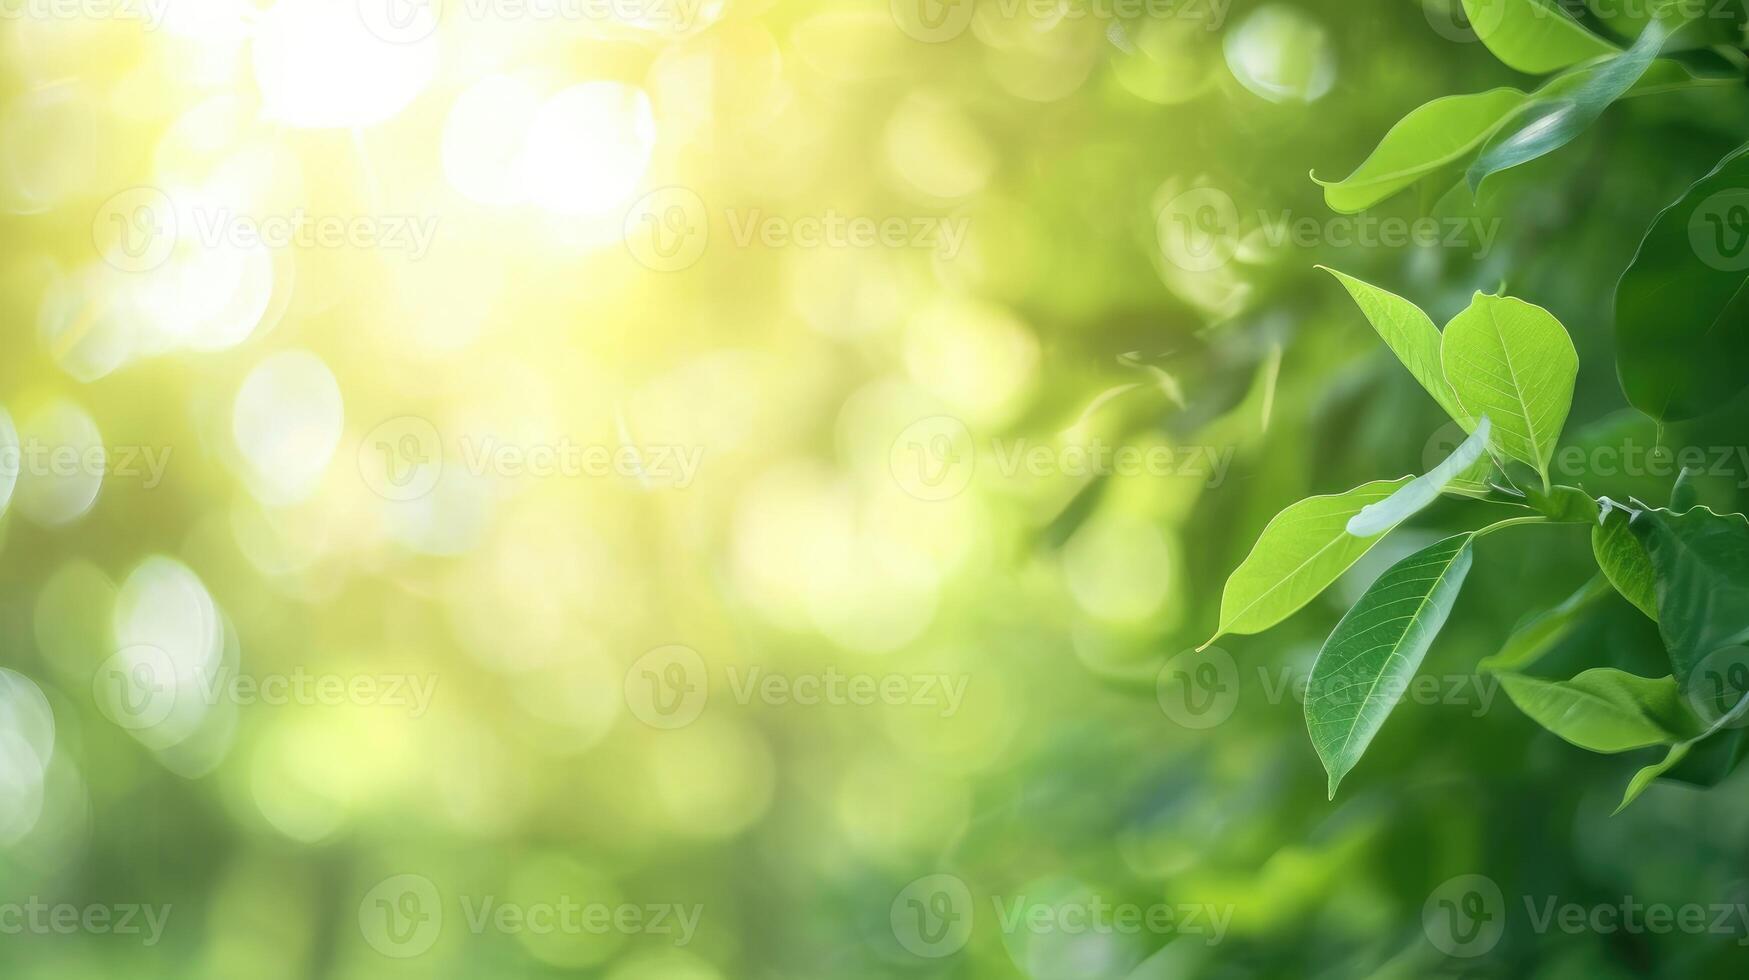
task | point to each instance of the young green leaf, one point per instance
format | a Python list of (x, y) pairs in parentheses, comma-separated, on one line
[(1539, 634), (1679, 752), (1432, 136), (1644, 777), (1566, 107), (1423, 490), (1682, 349), (1563, 505), (1604, 709), (1411, 335), (1700, 562), (1533, 36), (1623, 560), (1304, 549), (1514, 363), (1376, 649)]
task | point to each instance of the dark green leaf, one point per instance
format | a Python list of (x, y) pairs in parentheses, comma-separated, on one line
[(1682, 307)]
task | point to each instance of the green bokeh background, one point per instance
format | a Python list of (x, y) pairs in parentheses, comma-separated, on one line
[(1068, 773)]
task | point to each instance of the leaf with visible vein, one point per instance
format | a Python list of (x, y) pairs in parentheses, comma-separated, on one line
[(1513, 362), (1376, 649), (1304, 549), (1604, 709)]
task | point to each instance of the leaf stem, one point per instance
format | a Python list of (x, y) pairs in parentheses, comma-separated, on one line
[(1510, 522)]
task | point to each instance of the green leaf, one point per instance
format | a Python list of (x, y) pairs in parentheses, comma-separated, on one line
[(1533, 36), (1732, 746), (1304, 549), (1700, 563), (1539, 634), (1681, 308), (1563, 505), (1566, 107), (1429, 138), (1376, 649), (1411, 335), (1513, 362), (1604, 709), (1644, 777), (1624, 561)]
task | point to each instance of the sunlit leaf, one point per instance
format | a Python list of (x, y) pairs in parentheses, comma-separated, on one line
[(1604, 709), (1304, 549), (1411, 335), (1513, 362), (1533, 36), (1431, 137)]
